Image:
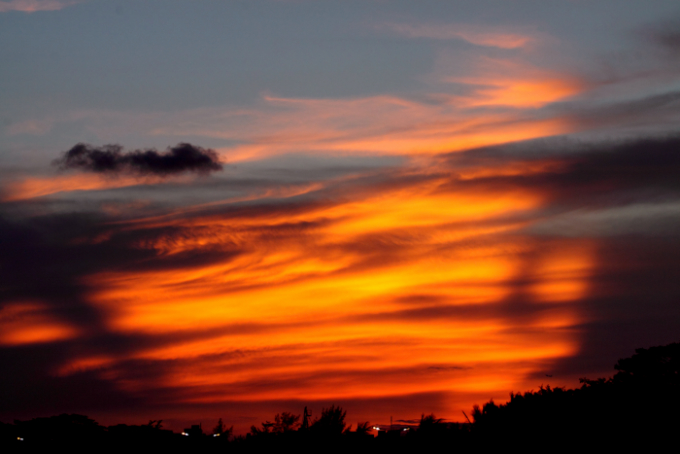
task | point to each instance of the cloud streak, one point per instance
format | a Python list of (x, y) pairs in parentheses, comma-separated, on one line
[(32, 6), (479, 36)]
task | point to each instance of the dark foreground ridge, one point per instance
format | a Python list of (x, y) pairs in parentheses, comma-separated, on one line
[(638, 406)]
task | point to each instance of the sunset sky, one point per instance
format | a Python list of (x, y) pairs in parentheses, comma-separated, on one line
[(234, 208)]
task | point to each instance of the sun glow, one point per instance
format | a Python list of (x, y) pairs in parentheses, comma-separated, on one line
[(409, 284), (420, 280)]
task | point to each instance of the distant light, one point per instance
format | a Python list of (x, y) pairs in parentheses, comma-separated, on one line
[(20, 439), (405, 429), (216, 435), (185, 434)]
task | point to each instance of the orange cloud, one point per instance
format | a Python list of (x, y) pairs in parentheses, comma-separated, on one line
[(33, 187), (419, 280), (377, 293), (562, 275), (29, 322), (491, 101), (510, 83), (471, 109), (356, 288), (380, 125)]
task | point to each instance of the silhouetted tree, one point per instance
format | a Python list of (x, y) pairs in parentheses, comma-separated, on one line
[(639, 404), (657, 366), (266, 429), (123, 435), (331, 423), (73, 429), (431, 429), (363, 428), (285, 422), (429, 422)]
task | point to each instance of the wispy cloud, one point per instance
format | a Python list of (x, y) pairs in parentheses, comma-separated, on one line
[(23, 188), (477, 35), (32, 6), (379, 125), (497, 82)]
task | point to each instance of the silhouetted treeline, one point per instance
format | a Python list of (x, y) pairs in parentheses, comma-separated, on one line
[(639, 405)]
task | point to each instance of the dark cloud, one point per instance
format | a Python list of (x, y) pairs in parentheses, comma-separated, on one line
[(634, 290), (32, 388), (40, 261), (633, 303), (671, 39), (581, 175), (665, 35), (658, 112), (111, 159)]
